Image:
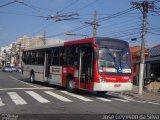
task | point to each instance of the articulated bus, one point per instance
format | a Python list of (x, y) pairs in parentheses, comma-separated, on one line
[(96, 64)]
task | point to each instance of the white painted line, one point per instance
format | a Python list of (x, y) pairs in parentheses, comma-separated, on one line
[(5, 89), (37, 97), (58, 96), (16, 98), (127, 98), (77, 96), (120, 99), (154, 103), (1, 103), (23, 82), (104, 99)]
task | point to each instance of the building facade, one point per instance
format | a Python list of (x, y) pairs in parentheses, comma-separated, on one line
[(152, 61), (12, 55)]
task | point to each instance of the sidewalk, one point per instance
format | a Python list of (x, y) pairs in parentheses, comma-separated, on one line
[(146, 96)]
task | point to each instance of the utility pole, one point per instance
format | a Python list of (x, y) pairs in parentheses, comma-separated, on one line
[(141, 73), (94, 24), (145, 5)]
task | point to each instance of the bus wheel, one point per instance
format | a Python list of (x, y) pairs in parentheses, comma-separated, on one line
[(70, 85), (101, 92), (32, 78)]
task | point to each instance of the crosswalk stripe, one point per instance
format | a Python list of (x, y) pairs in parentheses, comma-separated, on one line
[(37, 97), (77, 96), (1, 103), (103, 99), (58, 96), (120, 99), (16, 98)]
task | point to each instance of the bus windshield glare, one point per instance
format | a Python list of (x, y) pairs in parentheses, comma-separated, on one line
[(114, 60)]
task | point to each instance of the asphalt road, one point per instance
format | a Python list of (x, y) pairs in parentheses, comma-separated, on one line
[(20, 97)]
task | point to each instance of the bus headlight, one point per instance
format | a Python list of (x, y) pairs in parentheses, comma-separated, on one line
[(101, 79)]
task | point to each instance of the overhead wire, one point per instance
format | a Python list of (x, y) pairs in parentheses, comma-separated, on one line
[(6, 4), (116, 14), (35, 27), (32, 7), (85, 6), (83, 26), (153, 33), (21, 14), (72, 3), (99, 20)]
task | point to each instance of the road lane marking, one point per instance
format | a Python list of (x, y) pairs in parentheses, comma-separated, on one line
[(37, 97), (1, 103), (16, 98), (119, 99), (58, 96), (77, 96), (23, 82), (5, 89), (104, 99)]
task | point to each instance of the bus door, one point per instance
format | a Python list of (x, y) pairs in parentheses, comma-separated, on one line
[(86, 67), (47, 64)]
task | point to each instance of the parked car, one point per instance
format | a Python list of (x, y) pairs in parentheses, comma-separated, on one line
[(7, 69), (18, 69), (14, 68)]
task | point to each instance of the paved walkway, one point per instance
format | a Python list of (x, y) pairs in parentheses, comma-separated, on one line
[(147, 96)]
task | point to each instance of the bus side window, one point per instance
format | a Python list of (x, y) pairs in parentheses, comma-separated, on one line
[(28, 58), (33, 58), (55, 58), (73, 56), (24, 57), (40, 56), (63, 56)]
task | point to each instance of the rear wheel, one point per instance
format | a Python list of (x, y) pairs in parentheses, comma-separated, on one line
[(32, 78), (70, 85)]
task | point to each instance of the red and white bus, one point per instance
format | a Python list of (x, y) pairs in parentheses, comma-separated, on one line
[(97, 64)]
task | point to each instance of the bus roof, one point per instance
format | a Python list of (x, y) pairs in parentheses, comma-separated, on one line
[(73, 42), (66, 43)]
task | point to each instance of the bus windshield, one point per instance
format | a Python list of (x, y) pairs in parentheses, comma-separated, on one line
[(114, 60)]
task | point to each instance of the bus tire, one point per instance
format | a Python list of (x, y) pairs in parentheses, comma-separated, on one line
[(32, 77), (70, 84)]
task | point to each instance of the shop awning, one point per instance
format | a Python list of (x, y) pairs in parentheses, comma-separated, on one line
[(152, 60)]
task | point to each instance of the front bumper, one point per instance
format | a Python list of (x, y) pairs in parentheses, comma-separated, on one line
[(110, 86)]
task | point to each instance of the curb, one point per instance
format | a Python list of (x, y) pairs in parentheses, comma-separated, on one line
[(143, 97)]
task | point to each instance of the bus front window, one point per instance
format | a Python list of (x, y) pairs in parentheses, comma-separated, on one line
[(114, 60)]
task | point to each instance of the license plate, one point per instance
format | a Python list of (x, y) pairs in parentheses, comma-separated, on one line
[(117, 85)]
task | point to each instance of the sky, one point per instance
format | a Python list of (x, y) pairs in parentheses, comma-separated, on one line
[(56, 18)]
